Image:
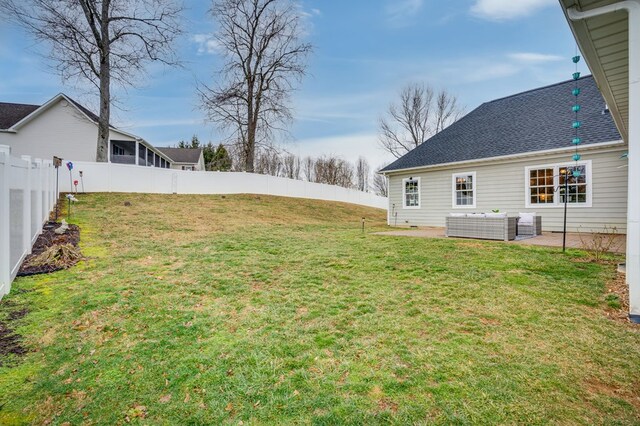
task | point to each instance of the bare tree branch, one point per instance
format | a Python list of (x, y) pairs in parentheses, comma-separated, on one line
[(264, 59), (101, 41), (420, 114)]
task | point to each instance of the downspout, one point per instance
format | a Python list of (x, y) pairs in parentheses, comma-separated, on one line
[(632, 7)]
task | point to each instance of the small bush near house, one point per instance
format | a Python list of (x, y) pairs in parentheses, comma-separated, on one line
[(600, 243)]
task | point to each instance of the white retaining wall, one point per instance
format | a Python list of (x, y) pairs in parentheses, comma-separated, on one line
[(109, 177), (27, 196)]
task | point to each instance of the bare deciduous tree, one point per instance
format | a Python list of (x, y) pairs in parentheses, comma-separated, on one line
[(268, 162), (333, 171), (264, 58), (420, 114), (308, 166), (101, 41), (362, 174), (380, 184), (291, 166)]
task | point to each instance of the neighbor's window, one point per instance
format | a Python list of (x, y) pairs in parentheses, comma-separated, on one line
[(411, 192), (464, 191), (117, 150), (543, 182)]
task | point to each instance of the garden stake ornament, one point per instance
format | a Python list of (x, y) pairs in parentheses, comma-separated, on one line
[(70, 167), (576, 173), (57, 162)]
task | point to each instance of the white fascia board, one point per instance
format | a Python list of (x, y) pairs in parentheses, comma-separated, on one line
[(509, 158), (584, 40)]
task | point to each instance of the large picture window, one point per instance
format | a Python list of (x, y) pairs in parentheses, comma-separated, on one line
[(411, 193), (464, 190), (546, 185)]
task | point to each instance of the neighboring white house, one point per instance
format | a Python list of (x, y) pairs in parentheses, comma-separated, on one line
[(185, 158), (510, 154), (66, 129)]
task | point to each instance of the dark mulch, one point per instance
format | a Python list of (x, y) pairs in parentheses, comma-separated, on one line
[(10, 342), (45, 240)]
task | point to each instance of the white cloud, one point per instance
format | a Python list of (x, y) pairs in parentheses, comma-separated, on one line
[(401, 12), (207, 43), (534, 58), (503, 10)]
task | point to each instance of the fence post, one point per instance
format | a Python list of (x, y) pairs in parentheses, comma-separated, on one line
[(26, 208), (46, 190), (38, 190), (5, 212)]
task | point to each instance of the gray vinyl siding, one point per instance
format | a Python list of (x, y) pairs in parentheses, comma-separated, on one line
[(501, 185)]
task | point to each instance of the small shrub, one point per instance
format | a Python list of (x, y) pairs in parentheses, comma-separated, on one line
[(600, 243)]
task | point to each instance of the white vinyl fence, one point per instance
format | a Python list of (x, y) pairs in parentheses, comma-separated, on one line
[(27, 196), (110, 177)]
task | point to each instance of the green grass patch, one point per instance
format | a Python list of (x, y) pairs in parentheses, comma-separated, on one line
[(268, 310)]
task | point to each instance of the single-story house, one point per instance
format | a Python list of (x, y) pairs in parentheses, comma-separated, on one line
[(185, 158), (66, 129), (510, 155)]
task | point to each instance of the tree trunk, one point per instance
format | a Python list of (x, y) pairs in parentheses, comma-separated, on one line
[(250, 152), (102, 154)]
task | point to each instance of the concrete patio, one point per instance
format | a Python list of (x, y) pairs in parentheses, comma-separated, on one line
[(548, 239)]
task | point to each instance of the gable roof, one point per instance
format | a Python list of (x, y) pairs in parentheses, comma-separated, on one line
[(535, 120), (93, 117), (11, 113), (182, 155)]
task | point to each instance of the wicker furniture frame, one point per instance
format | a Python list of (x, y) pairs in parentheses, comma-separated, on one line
[(485, 228), (533, 229)]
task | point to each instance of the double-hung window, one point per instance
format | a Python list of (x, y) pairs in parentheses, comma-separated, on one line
[(545, 185), (411, 193), (464, 190)]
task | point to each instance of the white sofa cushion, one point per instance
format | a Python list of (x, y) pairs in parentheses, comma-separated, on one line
[(457, 214), (527, 218), (496, 215), (476, 215)]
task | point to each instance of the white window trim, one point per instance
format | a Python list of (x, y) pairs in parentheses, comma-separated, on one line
[(556, 182), (454, 176), (404, 193)]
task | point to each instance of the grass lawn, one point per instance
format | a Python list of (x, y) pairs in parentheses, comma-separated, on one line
[(211, 310)]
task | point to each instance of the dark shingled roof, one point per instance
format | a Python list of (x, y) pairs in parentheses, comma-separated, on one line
[(10, 114), (536, 120), (182, 155)]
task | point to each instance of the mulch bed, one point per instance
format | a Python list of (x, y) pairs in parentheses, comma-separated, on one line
[(619, 287), (47, 239), (10, 342)]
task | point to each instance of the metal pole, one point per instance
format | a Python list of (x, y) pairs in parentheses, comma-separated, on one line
[(566, 199)]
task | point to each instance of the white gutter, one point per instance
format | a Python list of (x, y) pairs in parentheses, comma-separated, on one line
[(632, 7)]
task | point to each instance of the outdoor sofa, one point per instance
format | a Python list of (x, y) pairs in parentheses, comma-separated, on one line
[(490, 226)]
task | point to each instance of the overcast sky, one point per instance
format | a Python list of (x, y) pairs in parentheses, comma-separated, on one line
[(365, 51)]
